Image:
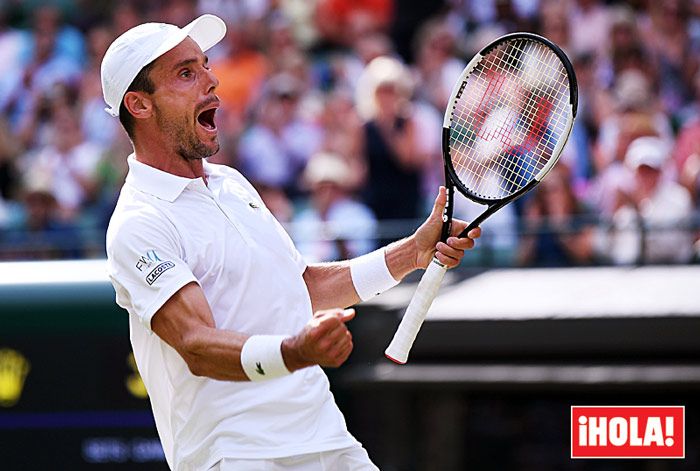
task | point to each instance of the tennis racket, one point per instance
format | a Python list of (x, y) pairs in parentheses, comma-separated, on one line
[(507, 120)]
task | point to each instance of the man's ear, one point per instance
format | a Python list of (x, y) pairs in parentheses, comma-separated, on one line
[(138, 104)]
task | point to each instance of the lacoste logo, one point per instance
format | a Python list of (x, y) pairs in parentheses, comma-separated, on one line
[(258, 369), (159, 270)]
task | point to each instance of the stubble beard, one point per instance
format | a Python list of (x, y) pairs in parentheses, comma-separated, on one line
[(189, 146)]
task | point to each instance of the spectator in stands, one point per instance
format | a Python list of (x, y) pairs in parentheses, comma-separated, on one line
[(651, 222), (338, 21), (390, 140), (636, 115), (125, 16), (26, 87), (294, 81), (242, 71), (556, 230), (335, 226), (40, 233), (71, 163), (673, 54), (97, 126), (275, 149), (686, 153), (437, 68), (592, 27), (343, 135), (12, 43), (9, 151)]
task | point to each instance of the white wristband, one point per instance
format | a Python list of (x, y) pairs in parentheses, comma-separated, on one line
[(370, 275), (261, 357)]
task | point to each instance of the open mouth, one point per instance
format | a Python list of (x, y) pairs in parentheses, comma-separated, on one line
[(206, 119)]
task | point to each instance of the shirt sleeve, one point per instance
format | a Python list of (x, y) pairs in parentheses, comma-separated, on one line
[(146, 264)]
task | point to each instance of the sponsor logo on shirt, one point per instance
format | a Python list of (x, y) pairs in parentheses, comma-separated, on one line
[(159, 270), (147, 260)]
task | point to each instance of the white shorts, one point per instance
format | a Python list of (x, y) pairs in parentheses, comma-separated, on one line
[(346, 459)]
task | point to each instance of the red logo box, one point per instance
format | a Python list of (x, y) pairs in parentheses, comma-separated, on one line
[(627, 431)]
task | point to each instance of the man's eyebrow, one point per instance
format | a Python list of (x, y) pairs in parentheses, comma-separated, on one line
[(187, 62)]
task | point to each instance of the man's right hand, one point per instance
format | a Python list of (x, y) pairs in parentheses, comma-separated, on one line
[(325, 340)]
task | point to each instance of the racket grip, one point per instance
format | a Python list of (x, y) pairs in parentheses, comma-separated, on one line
[(405, 335)]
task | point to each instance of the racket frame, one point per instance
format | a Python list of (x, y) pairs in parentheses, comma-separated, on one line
[(451, 175), (409, 326)]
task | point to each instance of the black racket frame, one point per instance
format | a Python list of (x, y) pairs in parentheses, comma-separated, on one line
[(451, 178)]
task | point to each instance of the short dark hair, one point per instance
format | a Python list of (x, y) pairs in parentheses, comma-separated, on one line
[(141, 83)]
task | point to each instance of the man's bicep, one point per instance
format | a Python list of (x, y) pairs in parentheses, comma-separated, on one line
[(146, 265), (183, 314), (185, 322)]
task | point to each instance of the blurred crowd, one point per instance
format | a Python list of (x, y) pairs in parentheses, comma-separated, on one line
[(333, 109)]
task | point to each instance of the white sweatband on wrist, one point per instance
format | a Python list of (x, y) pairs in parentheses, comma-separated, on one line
[(261, 357), (370, 275)]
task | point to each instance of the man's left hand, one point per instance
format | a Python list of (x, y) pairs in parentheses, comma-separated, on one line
[(427, 237)]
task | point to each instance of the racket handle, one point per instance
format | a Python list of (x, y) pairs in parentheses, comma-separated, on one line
[(405, 335)]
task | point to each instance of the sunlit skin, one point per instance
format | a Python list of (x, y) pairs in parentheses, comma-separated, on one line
[(167, 134)]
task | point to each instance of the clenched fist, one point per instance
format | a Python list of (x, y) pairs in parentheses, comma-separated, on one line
[(325, 340)]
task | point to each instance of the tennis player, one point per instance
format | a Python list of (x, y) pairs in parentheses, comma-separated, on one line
[(228, 325)]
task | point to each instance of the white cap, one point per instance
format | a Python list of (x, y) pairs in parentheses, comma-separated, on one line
[(142, 44), (650, 151), (326, 167)]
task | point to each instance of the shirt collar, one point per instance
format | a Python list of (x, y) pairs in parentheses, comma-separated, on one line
[(162, 185)]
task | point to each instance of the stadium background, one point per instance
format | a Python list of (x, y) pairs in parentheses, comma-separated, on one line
[(320, 128)]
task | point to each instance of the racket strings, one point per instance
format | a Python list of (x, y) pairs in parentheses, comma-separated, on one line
[(508, 118), (515, 175)]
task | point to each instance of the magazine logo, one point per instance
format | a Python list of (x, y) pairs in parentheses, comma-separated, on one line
[(627, 431), (159, 270)]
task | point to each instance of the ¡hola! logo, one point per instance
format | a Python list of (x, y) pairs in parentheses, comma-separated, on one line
[(14, 368), (628, 431)]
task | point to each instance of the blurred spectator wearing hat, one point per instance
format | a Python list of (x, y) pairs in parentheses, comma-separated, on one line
[(391, 142), (38, 232), (636, 115), (335, 226), (275, 149), (71, 161), (651, 222)]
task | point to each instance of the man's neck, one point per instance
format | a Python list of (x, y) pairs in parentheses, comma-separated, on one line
[(170, 162)]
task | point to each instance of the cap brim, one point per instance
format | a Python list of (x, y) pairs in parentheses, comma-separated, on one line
[(207, 30)]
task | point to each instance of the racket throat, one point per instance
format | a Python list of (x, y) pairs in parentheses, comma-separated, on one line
[(447, 212), (496, 206)]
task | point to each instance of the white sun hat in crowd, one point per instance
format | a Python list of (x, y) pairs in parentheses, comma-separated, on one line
[(650, 151), (142, 44)]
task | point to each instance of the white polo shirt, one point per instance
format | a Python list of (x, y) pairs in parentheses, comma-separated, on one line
[(167, 231)]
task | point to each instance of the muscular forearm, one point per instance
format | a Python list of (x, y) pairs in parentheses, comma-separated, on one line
[(214, 353), (186, 324), (330, 284)]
